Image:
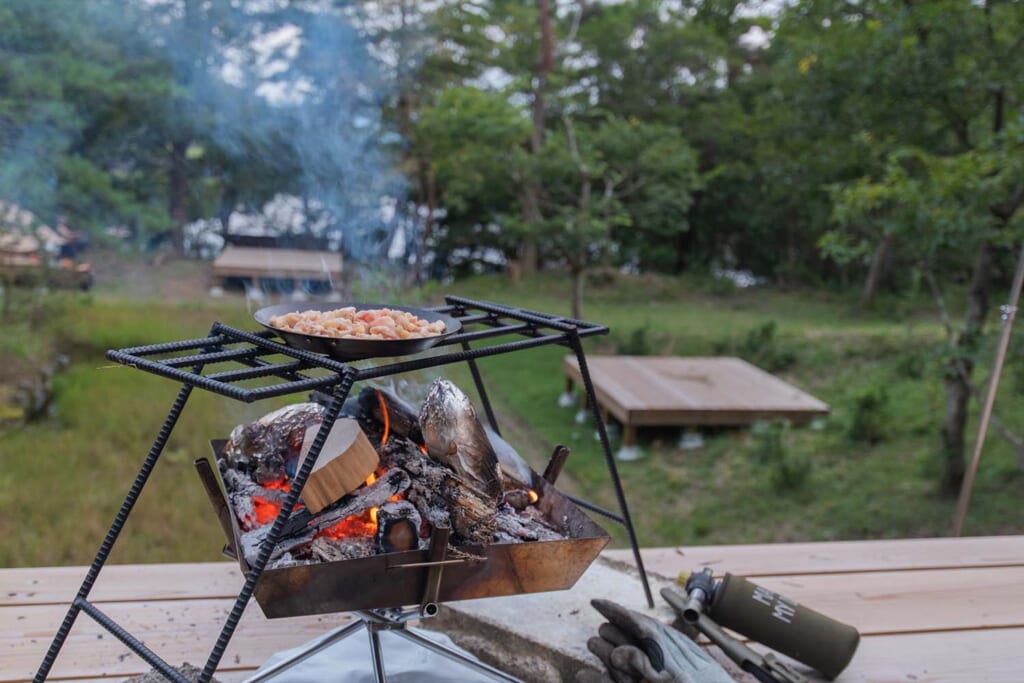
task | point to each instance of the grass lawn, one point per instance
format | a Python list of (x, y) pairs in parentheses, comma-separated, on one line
[(868, 471)]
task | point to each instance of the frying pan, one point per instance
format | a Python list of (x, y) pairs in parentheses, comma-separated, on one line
[(356, 349)]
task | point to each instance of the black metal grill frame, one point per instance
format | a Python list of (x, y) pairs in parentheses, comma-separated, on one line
[(300, 371)]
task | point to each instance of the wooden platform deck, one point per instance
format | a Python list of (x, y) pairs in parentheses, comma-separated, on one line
[(929, 610), (286, 264), (675, 391)]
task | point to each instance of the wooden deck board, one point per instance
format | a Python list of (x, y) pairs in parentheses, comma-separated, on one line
[(178, 631), (839, 556), (683, 391), (930, 610), (122, 583)]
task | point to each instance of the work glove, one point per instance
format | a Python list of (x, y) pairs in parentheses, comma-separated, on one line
[(638, 649)]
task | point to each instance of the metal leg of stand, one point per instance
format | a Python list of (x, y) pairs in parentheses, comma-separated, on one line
[(319, 646), (113, 533), (444, 651), (376, 653), (609, 459), (479, 381)]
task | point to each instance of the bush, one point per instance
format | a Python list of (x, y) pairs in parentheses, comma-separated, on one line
[(790, 470), (637, 343), (868, 422), (761, 347)]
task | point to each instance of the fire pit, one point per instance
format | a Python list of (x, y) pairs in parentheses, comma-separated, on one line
[(545, 546), (478, 564)]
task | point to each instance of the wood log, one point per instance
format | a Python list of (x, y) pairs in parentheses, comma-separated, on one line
[(513, 527), (303, 526), (345, 462), (398, 527), (325, 549), (441, 496)]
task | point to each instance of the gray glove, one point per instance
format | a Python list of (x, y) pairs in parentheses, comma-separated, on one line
[(638, 649)]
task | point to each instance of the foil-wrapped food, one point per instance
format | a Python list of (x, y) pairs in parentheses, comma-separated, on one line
[(269, 448)]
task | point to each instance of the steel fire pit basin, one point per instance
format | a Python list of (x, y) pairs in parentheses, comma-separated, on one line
[(399, 579)]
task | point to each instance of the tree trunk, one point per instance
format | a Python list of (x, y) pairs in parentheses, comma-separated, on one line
[(577, 291), (177, 194), (415, 273), (958, 372), (875, 272), (528, 253)]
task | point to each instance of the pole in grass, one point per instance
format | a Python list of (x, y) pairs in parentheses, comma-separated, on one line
[(1009, 314)]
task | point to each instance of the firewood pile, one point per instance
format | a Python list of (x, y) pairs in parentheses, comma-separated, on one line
[(435, 467)]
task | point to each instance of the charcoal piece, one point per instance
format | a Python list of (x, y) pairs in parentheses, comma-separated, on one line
[(513, 527)]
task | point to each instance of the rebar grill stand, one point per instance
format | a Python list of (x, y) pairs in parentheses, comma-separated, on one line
[(300, 372)]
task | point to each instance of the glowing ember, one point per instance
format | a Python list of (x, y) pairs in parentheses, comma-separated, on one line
[(533, 496), (423, 447), (266, 510), (387, 421), (357, 525), (370, 479), (279, 485)]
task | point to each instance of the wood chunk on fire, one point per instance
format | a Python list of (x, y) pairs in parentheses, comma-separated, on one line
[(345, 462)]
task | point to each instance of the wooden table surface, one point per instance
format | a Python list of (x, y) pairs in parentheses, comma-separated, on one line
[(929, 610)]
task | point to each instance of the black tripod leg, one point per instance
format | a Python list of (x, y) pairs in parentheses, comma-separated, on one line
[(609, 459), (113, 533)]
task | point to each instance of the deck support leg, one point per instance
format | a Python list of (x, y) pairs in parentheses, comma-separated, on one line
[(628, 435)]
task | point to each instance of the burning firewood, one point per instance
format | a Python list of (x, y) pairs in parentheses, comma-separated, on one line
[(441, 496), (303, 527), (398, 527), (399, 417)]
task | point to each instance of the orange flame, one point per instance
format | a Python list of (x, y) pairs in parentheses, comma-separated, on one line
[(423, 447), (533, 496), (387, 419)]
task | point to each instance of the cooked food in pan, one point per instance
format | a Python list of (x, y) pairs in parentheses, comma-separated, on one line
[(349, 323)]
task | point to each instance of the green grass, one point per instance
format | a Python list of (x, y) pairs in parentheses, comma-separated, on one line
[(63, 479)]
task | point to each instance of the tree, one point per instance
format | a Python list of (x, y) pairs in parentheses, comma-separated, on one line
[(477, 145), (604, 182), (955, 202)]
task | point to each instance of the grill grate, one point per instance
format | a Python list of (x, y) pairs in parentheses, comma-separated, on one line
[(256, 356)]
